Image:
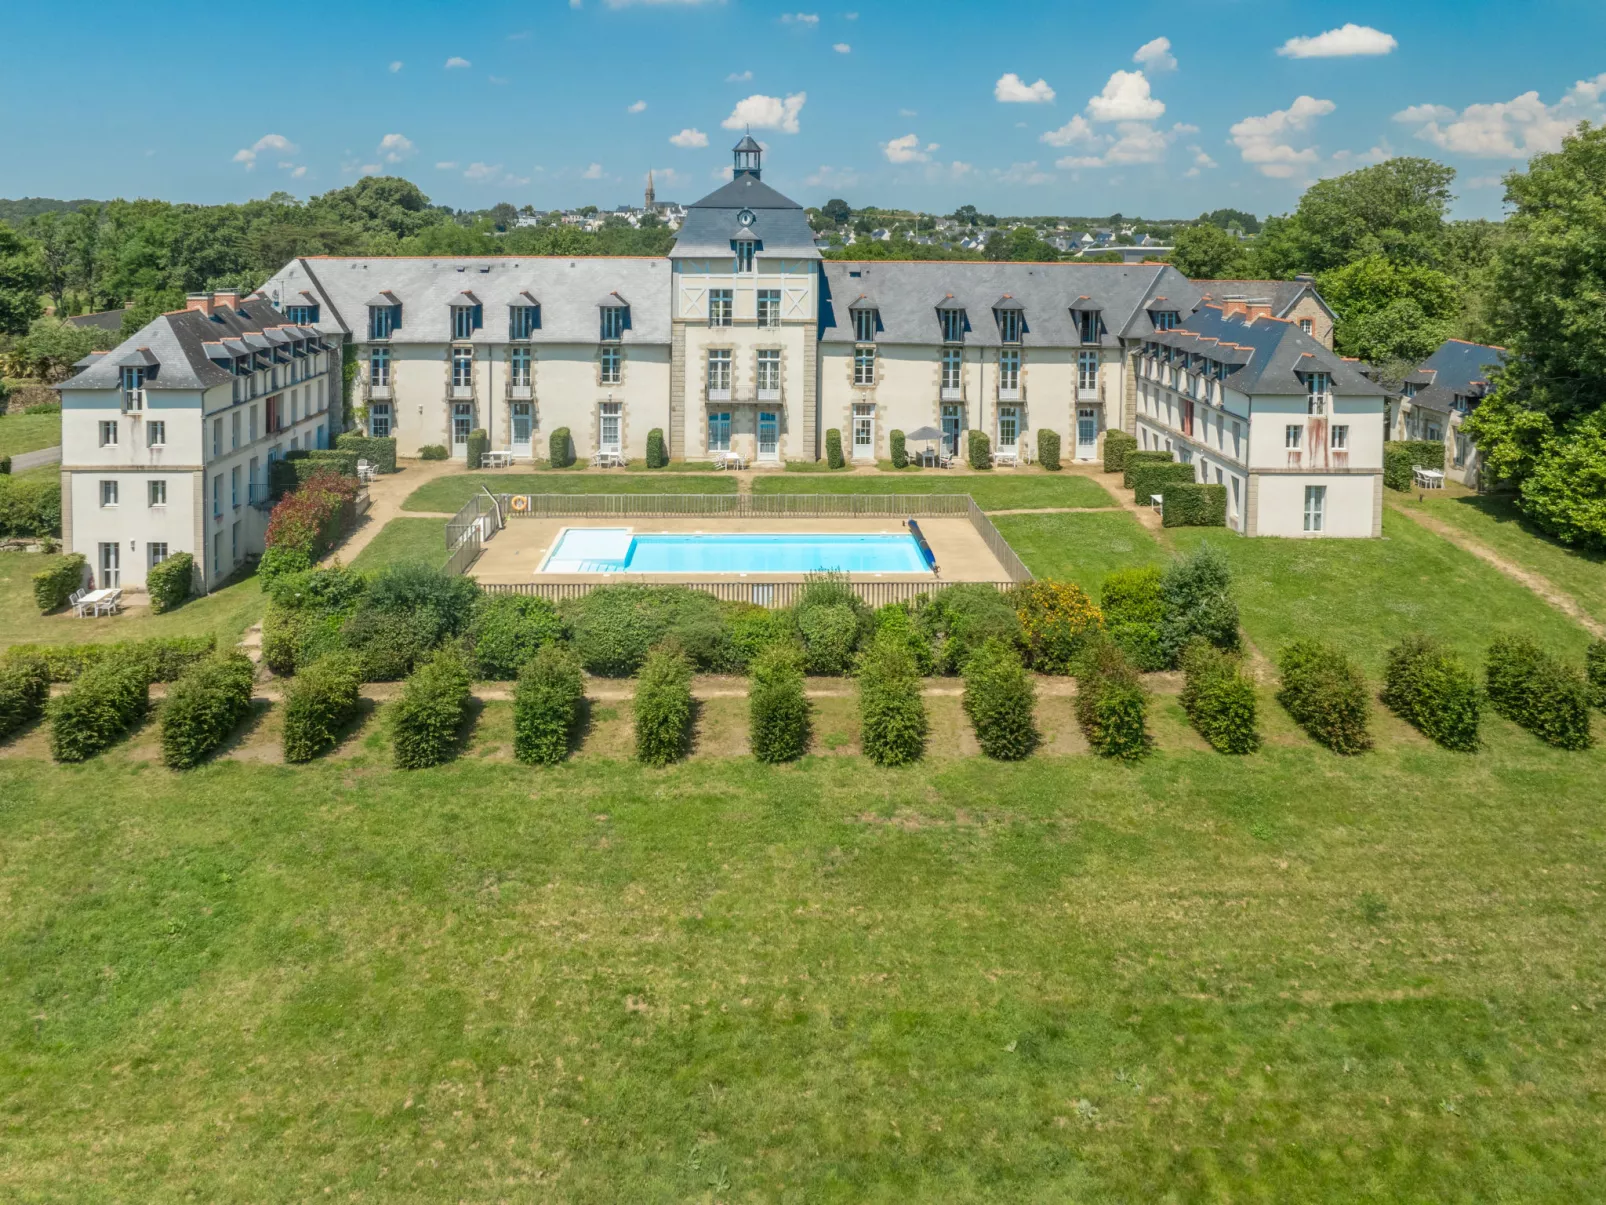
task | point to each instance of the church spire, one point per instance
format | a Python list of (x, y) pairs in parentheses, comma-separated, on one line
[(651, 196)]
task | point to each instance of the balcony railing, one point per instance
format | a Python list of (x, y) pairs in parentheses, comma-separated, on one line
[(1087, 393), (379, 393), (1011, 393), (521, 393), (461, 393), (133, 401), (952, 393), (718, 393), (769, 393), (258, 496)]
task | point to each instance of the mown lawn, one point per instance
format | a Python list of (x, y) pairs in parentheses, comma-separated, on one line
[(1004, 491), (1493, 520), (1288, 977), (1081, 548), (449, 493), (421, 540), (28, 432)]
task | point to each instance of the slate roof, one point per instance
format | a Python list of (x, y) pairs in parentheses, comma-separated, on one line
[(1456, 368), (567, 288), (105, 320), (779, 223), (1280, 295), (179, 345), (1267, 354), (911, 291)]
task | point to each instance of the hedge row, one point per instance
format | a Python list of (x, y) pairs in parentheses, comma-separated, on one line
[(1134, 459), (24, 691), (1111, 704), (1533, 689), (1151, 479), (479, 443), (1401, 457), (296, 468), (306, 523), (159, 658), (1048, 448), (30, 506), (779, 716), (1219, 698), (377, 451), (547, 706), (320, 702), (663, 708), (1194, 504), (104, 704), (206, 704), (1326, 695), (892, 712), (433, 452), (1056, 621), (1134, 612), (426, 720), (1000, 700), (1118, 445), (55, 584), (1427, 685), (169, 584)]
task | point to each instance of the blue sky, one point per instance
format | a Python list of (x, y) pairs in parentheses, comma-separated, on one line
[(1160, 109)]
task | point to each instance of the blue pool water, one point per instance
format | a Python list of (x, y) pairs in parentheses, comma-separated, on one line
[(619, 550)]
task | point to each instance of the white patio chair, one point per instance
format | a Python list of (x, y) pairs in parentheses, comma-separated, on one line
[(75, 601), (365, 471), (110, 603)]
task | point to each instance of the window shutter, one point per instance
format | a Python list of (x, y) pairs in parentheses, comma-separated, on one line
[(479, 316)]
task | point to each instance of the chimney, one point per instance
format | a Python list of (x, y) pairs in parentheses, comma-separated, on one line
[(199, 301), (226, 298)]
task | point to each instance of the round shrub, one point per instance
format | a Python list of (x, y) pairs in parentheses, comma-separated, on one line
[(960, 618), (1048, 449), (433, 452), (657, 449), (1326, 696), (1134, 614), (1056, 620), (1219, 699), (833, 449), (1111, 705), (892, 712), (426, 720), (1196, 591), (108, 699), (979, 450), (507, 630), (898, 450), (830, 638), (1000, 699), (319, 704), (24, 691), (1533, 689), (560, 448), (169, 583), (614, 627), (1427, 685), (54, 585), (778, 710), (898, 622), (752, 629), (546, 706), (203, 706), (663, 708)]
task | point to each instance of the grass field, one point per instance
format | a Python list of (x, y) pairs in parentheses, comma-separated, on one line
[(449, 493), (1081, 548), (1000, 492), (421, 540), (28, 432), (1288, 977)]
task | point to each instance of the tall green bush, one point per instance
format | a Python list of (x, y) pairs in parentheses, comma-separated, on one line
[(1219, 698), (507, 630), (1427, 685), (614, 627), (779, 715), (426, 720), (547, 706), (1134, 615), (203, 706), (479, 443), (1048, 448), (24, 691), (833, 450), (169, 583), (892, 712), (560, 448), (1196, 591), (160, 658), (898, 449), (899, 622), (30, 506), (663, 708), (832, 621), (752, 629), (960, 618), (319, 703), (1112, 707), (1194, 504), (657, 449), (1546, 696), (1402, 457), (104, 704), (1117, 446), (1595, 672), (1151, 479), (1136, 459), (54, 584), (978, 449), (1326, 695), (1000, 699), (1056, 621)]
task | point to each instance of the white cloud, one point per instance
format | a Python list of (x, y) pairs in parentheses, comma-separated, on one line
[(1513, 129), (1202, 162), (908, 113), (1484, 182), (689, 138), (482, 173), (850, 16), (276, 143), (1156, 55), (669, 176), (370, 169), (1343, 42), (1138, 143), (1265, 144), (298, 172), (393, 148), (1075, 132), (396, 66), (738, 77), (842, 48), (1125, 98), (724, 173), (905, 150), (767, 113), (959, 169), (497, 79), (455, 62), (809, 19), (639, 107), (592, 172), (1022, 173), (1011, 89), (446, 165), (832, 177)]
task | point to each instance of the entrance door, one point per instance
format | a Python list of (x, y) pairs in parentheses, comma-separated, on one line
[(1087, 432), (462, 424), (608, 427), (953, 423), (111, 574), (523, 423), (1008, 428), (769, 435), (863, 431)]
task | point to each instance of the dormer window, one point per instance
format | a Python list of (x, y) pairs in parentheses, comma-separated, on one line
[(1164, 320), (953, 325), (465, 320), (864, 324), (133, 378), (613, 322), (383, 320), (745, 249), (302, 315), (1009, 325), (523, 321)]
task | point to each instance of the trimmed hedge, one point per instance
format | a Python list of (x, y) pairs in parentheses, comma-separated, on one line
[(778, 711), (160, 658), (508, 630), (1151, 479), (1195, 591), (1401, 456), (1326, 695), (104, 704), (1112, 706), (206, 704), (1135, 458), (1194, 505), (300, 466), (1546, 696), (752, 629), (1595, 672), (833, 449), (1134, 615), (1117, 446), (426, 720), (319, 703), (1426, 684), (1056, 621), (560, 449), (1048, 448), (663, 708), (1219, 698), (30, 506), (1000, 700), (613, 628), (978, 449), (24, 691), (170, 582), (892, 711), (376, 450), (960, 618), (52, 587), (433, 452), (657, 449), (830, 638), (546, 706), (899, 450), (479, 443), (900, 623)]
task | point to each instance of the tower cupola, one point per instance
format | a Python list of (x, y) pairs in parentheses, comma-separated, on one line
[(748, 154)]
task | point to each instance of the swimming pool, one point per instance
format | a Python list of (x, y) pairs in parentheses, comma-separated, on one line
[(623, 550)]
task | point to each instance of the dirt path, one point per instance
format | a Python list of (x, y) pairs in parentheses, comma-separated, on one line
[(1053, 510), (1538, 583)]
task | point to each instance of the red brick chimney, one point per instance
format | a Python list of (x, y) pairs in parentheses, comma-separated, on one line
[(227, 298), (199, 301)]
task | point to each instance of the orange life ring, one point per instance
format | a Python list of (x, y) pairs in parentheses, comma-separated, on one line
[(520, 503)]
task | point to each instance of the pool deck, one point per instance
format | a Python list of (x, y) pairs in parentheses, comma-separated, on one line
[(516, 552)]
